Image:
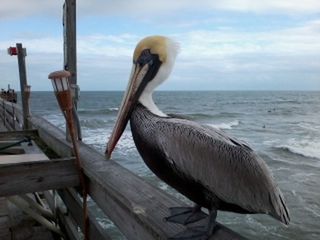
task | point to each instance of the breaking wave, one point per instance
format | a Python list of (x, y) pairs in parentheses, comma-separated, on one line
[(304, 148), (111, 110), (228, 125)]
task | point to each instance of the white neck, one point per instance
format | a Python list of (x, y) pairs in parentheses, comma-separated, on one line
[(147, 101), (162, 74)]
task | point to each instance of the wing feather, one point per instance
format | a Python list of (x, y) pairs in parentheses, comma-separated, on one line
[(225, 165)]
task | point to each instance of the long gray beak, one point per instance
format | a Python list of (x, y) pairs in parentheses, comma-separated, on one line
[(143, 71), (128, 102)]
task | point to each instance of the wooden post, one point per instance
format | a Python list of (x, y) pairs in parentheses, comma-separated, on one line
[(70, 54), (69, 35), (22, 53)]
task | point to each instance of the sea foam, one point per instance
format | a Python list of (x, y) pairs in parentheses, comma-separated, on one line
[(227, 125), (303, 147)]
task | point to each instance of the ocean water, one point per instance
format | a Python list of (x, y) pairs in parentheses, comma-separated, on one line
[(283, 127)]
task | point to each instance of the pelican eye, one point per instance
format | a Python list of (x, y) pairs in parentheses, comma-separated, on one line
[(146, 57)]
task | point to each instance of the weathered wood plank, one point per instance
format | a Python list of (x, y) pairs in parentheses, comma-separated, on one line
[(135, 206), (69, 226), (12, 150), (21, 158), (36, 176), (24, 152), (20, 148), (74, 206), (5, 233), (57, 142), (32, 148), (8, 124), (4, 135), (23, 227), (3, 207), (6, 108)]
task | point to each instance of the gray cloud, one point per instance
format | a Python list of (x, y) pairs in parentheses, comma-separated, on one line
[(146, 9), (15, 9), (217, 59)]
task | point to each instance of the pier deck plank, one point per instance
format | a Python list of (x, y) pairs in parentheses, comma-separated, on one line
[(37, 176), (14, 224), (32, 171)]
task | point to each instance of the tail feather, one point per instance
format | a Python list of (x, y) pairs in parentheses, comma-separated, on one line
[(280, 210), (285, 216)]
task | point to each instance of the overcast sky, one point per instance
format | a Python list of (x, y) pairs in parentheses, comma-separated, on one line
[(225, 44)]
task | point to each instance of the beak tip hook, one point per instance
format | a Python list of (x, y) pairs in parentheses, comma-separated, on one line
[(108, 153)]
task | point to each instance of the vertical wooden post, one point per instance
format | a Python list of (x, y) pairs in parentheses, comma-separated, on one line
[(70, 54), (21, 54), (70, 43)]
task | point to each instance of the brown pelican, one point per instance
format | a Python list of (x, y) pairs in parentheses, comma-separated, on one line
[(214, 170)]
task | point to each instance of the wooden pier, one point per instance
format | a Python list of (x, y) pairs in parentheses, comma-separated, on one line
[(136, 207), (14, 223)]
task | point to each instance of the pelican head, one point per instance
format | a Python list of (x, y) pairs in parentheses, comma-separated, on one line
[(153, 60)]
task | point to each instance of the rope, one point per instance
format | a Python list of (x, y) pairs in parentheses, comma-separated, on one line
[(82, 178), (15, 144)]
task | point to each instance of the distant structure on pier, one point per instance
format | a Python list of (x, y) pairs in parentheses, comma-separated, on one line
[(9, 95)]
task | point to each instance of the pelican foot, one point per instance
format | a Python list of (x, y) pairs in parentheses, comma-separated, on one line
[(201, 232), (194, 233), (185, 215)]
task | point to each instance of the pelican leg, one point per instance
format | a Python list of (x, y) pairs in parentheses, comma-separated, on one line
[(199, 232), (211, 222), (185, 215)]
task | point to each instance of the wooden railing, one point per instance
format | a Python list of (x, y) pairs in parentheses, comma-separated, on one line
[(136, 207), (10, 115)]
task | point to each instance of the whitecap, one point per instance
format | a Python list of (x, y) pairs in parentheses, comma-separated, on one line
[(304, 147), (94, 123), (99, 138), (227, 125), (309, 126), (56, 119)]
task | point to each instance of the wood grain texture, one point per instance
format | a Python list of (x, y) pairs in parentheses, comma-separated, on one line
[(74, 205), (4, 135), (36, 176)]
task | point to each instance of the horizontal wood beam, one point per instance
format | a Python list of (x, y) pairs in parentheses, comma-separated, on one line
[(37, 176), (7, 135)]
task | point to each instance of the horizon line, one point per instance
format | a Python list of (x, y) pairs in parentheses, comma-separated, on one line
[(201, 90)]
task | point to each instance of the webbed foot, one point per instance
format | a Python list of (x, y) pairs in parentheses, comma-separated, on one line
[(201, 232), (185, 215)]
